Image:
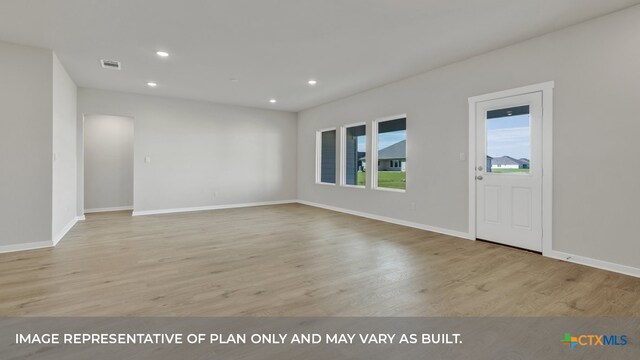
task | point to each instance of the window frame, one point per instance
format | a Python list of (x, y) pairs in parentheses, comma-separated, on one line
[(343, 154), (319, 157), (374, 152)]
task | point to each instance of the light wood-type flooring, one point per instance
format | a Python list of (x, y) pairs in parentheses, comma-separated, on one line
[(294, 260)]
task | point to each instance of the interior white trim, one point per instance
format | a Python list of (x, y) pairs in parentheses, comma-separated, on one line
[(389, 118), (455, 233), (211, 207), (354, 187), (547, 167), (25, 246), (42, 244), (343, 154), (549, 85), (64, 231), (559, 255), (374, 152), (600, 264), (546, 89), (117, 208), (319, 156)]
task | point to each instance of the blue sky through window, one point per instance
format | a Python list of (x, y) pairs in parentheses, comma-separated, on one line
[(510, 136), (362, 143), (389, 138), (384, 140)]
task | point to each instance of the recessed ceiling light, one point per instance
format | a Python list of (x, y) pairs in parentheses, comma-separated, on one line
[(273, 101), (312, 82), (152, 84), (162, 53), (233, 80)]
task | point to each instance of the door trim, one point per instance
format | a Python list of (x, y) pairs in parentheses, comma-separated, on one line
[(546, 89)]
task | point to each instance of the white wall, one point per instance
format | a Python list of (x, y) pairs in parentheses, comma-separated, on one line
[(64, 151), (203, 154), (596, 127), (25, 145), (108, 162)]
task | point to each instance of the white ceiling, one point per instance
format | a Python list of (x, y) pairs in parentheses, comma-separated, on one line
[(274, 46)]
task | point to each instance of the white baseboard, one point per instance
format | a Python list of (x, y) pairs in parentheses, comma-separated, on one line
[(455, 233), (81, 218), (42, 244), (117, 208), (212, 207), (25, 246), (559, 255), (65, 230), (600, 264)]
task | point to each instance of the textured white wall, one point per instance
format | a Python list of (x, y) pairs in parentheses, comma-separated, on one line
[(203, 154), (108, 162), (596, 127), (25, 144), (64, 150)]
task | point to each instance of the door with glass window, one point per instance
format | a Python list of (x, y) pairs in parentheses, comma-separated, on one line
[(508, 172)]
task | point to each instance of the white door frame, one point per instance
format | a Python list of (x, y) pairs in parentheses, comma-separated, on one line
[(547, 156)]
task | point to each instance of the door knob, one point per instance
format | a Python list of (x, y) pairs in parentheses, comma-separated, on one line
[(479, 177), (480, 168)]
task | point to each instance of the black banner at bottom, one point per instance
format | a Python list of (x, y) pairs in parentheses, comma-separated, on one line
[(319, 338)]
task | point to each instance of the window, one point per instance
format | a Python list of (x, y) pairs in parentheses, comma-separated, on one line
[(326, 153), (354, 155), (508, 140), (391, 152)]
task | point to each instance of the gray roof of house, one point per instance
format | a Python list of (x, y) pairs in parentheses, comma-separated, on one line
[(508, 160), (395, 151)]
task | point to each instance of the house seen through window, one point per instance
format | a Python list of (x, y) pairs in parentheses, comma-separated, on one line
[(392, 154), (508, 137)]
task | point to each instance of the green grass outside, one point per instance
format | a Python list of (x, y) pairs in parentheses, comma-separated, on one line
[(509, 170), (394, 179), (387, 179)]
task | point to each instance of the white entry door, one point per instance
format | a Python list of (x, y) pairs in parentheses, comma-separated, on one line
[(509, 171)]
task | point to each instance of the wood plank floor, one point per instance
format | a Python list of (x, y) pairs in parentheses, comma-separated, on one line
[(294, 260)]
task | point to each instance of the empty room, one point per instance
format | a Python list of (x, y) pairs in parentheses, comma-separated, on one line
[(319, 179)]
